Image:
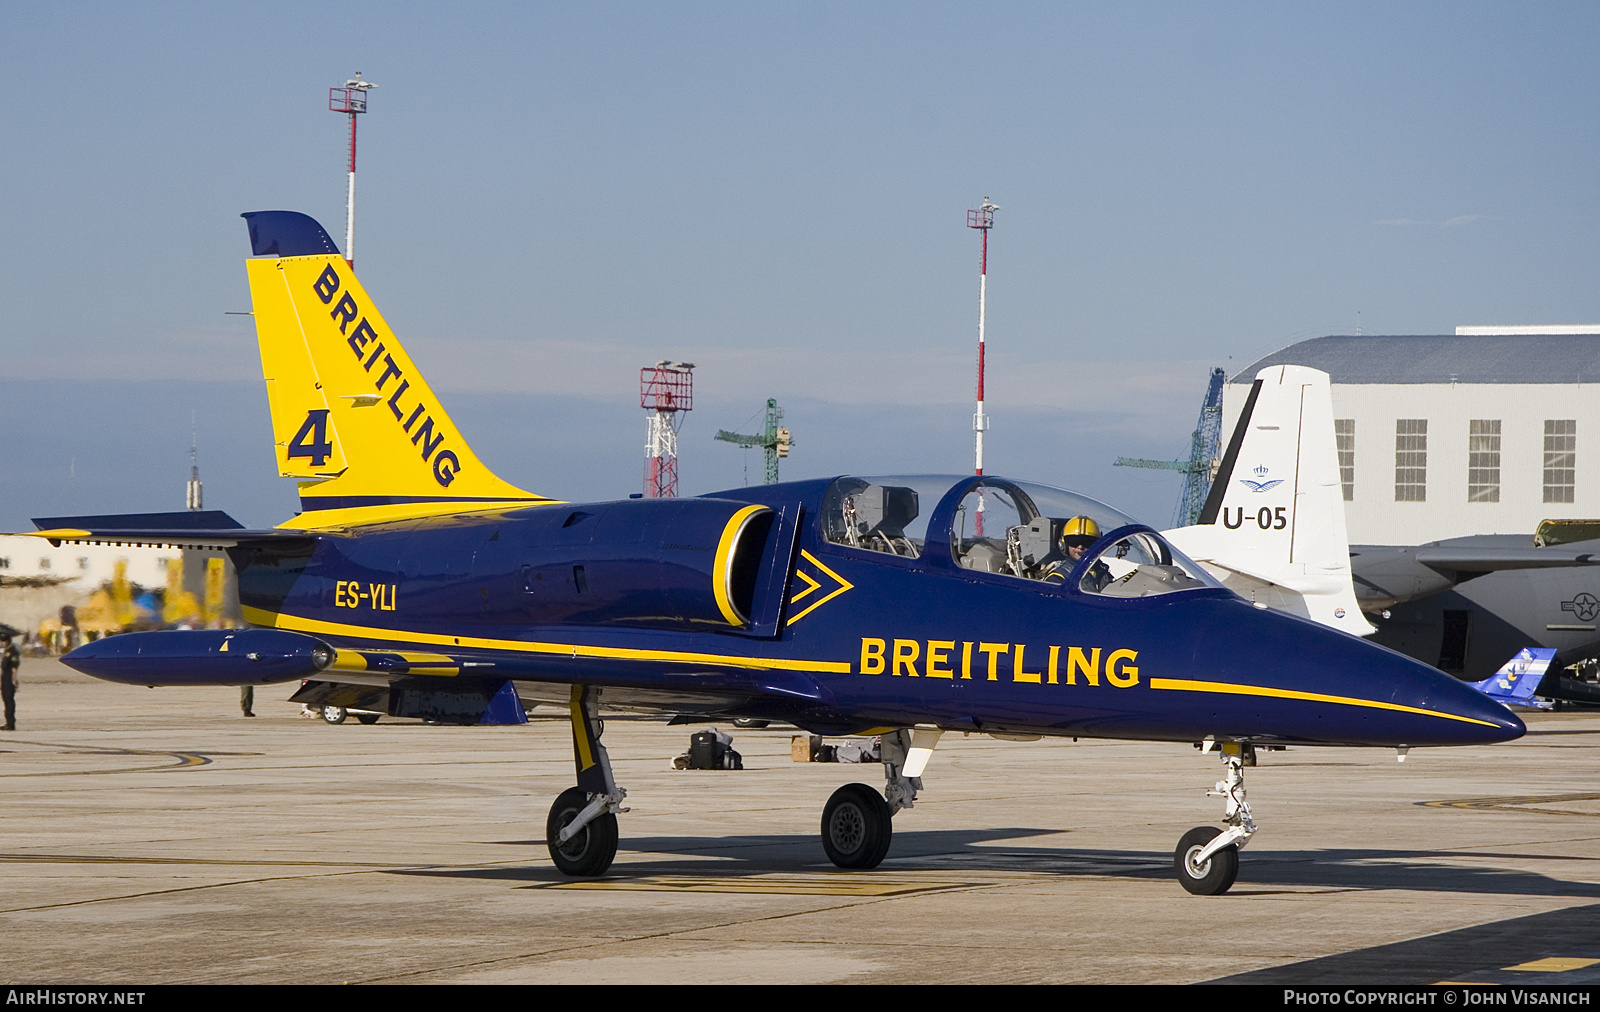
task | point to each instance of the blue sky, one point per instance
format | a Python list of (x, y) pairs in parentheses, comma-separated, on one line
[(554, 195)]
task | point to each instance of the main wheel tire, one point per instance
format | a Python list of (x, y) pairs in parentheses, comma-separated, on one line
[(367, 718), (591, 851), (334, 714), (750, 722), (857, 825), (1213, 878)]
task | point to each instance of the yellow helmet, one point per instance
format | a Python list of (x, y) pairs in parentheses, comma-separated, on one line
[(1080, 527)]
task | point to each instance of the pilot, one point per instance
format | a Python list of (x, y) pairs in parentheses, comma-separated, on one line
[(1077, 535)]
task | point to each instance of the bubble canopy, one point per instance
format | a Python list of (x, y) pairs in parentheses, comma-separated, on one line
[(1016, 529)]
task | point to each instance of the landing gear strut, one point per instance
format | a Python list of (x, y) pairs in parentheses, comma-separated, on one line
[(581, 831), (1207, 860)]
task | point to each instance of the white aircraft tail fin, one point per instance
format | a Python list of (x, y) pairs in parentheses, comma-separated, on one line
[(1273, 527)]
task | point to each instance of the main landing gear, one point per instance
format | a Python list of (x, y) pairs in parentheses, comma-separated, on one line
[(1207, 859), (857, 827), (857, 821), (581, 831)]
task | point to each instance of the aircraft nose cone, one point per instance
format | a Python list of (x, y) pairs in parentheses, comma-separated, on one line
[(1317, 685), (1470, 717), (1417, 704)]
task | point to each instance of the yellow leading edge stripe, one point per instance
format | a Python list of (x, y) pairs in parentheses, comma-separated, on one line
[(255, 616), (1190, 685)]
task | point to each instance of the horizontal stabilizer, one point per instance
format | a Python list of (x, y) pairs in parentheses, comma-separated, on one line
[(1515, 682), (201, 529)]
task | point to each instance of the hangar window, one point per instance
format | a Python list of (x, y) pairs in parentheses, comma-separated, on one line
[(1344, 436), (1411, 460), (1483, 460), (1560, 459)]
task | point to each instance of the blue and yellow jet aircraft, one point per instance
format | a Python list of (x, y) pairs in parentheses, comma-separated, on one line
[(905, 606)]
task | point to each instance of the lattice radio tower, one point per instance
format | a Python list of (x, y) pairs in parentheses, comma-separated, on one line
[(350, 99), (666, 390)]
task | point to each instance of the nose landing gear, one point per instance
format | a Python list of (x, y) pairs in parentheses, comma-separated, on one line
[(1207, 859)]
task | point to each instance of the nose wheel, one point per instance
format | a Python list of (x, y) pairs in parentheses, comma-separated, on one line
[(1212, 876), (1206, 860)]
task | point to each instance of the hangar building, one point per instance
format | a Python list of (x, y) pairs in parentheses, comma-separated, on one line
[(1480, 432)]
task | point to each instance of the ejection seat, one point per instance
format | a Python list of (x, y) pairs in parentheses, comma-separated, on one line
[(873, 517)]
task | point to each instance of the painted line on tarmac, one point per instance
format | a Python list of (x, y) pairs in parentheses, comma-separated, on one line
[(184, 760), (1521, 803)]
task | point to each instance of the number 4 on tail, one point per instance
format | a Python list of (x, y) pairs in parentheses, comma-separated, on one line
[(312, 439)]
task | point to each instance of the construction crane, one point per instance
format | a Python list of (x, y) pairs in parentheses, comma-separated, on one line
[(774, 442), (1204, 455)]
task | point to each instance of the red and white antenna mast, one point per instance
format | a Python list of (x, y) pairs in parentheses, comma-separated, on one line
[(983, 220), (666, 390), (350, 99)]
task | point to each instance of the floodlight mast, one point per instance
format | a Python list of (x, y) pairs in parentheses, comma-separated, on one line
[(981, 219), (350, 99)]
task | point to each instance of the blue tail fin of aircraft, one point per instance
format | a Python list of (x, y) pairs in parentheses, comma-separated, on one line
[(1515, 682)]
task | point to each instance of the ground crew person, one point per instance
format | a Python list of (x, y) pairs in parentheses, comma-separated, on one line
[(10, 660)]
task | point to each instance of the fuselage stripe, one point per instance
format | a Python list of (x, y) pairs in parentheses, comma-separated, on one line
[(297, 623), (1191, 685)]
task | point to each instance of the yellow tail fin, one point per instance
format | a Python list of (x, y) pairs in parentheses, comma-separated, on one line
[(352, 416)]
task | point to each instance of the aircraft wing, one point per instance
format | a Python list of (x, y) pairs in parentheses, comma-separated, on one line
[(199, 529), (1386, 575), (1469, 559)]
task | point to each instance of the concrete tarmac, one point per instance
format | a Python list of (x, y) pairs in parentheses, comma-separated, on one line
[(157, 836)]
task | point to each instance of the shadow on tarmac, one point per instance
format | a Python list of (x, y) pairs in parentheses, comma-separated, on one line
[(1478, 955), (971, 852)]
